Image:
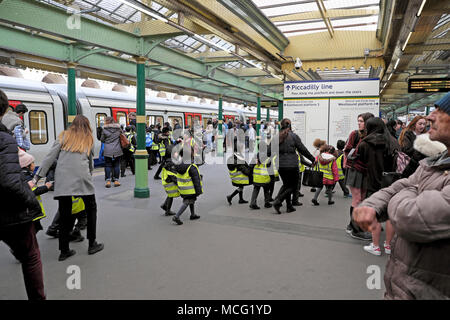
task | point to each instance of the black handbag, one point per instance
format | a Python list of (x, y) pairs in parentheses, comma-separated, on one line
[(313, 178), (389, 178)]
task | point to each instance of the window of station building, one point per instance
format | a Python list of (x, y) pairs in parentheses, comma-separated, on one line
[(100, 119), (121, 118), (38, 127), (173, 121)]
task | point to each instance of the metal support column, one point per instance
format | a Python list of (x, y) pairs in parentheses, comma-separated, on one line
[(141, 189), (268, 115), (220, 137), (71, 91), (427, 112), (258, 117), (280, 113)]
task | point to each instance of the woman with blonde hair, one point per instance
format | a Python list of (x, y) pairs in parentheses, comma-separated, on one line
[(73, 177)]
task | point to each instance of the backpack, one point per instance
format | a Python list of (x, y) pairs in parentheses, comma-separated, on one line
[(148, 140), (401, 161)]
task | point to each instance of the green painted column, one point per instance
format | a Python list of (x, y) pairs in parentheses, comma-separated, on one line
[(141, 189), (280, 113), (220, 136), (71, 91), (258, 117), (427, 112), (268, 114)]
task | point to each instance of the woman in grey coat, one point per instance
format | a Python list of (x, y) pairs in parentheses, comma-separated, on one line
[(73, 177), (112, 151)]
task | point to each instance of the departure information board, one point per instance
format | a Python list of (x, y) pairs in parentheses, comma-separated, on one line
[(429, 85)]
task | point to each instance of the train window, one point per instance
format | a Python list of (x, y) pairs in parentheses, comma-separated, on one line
[(154, 120), (121, 118), (100, 119), (38, 127), (173, 122)]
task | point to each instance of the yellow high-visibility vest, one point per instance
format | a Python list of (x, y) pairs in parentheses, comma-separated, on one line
[(171, 188), (261, 174), (301, 166), (185, 183), (339, 165), (129, 136), (77, 205), (327, 170), (238, 177), (275, 171), (39, 199), (162, 148), (155, 146)]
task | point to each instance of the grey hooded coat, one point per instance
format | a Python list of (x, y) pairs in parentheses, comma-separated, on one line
[(419, 209), (111, 138)]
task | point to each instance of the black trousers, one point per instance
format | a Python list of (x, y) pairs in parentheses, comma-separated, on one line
[(290, 177), (163, 161), (296, 194), (127, 159), (80, 216), (149, 151), (68, 219), (255, 194), (21, 238)]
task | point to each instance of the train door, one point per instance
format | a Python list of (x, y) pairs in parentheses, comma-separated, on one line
[(153, 119), (40, 122), (100, 115)]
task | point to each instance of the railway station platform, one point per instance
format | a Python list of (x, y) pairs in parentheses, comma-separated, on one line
[(231, 252)]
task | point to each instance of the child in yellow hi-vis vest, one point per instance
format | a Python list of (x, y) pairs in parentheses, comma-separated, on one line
[(326, 163), (26, 162), (169, 182), (341, 165)]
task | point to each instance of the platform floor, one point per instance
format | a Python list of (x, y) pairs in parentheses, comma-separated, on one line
[(232, 252)]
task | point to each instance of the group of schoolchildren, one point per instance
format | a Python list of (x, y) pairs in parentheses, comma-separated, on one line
[(262, 173)]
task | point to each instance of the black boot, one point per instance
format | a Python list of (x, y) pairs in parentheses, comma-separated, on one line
[(66, 254), (95, 247), (241, 197), (231, 196), (193, 215)]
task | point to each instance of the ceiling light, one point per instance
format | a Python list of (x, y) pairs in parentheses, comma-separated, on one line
[(406, 42), (421, 8), (396, 64), (390, 76), (143, 10)]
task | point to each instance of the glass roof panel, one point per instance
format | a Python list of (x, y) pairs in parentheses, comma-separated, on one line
[(277, 8)]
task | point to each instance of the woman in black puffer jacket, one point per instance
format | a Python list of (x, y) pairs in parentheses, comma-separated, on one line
[(19, 209), (289, 143)]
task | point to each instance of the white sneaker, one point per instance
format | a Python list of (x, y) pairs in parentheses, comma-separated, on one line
[(387, 248), (371, 248)]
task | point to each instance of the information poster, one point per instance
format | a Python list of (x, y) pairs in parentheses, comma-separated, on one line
[(328, 110), (344, 116), (309, 119)]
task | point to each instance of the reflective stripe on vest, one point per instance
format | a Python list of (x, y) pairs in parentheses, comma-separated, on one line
[(238, 177), (261, 174), (171, 188), (185, 183), (77, 205), (327, 170), (339, 165), (39, 199)]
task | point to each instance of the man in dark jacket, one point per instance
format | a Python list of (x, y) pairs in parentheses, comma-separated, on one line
[(19, 209)]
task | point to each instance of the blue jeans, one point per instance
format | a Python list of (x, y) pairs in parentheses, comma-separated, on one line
[(112, 164)]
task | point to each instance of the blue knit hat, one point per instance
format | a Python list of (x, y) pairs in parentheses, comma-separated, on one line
[(444, 103)]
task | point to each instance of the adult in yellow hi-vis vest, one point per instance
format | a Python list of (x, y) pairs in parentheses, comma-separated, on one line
[(340, 164), (326, 163), (261, 179), (190, 186)]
